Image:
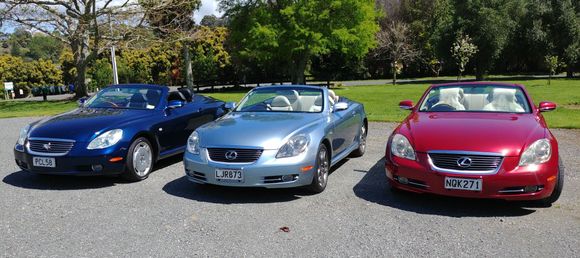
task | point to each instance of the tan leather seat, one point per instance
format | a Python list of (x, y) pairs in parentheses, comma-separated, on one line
[(281, 103), (504, 100)]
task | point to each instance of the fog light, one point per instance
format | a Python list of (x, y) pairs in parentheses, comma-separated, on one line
[(97, 168), (287, 178), (403, 180), (531, 188)]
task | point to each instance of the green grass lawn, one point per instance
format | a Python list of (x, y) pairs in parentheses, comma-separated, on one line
[(34, 108), (381, 101)]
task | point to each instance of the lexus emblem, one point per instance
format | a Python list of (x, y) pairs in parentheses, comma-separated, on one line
[(464, 162), (46, 146), (231, 155)]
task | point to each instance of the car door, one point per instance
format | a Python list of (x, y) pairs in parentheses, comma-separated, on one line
[(340, 130), (171, 132)]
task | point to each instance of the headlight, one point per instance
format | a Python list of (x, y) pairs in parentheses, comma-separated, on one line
[(295, 145), (106, 139), (401, 147), (23, 135), (193, 143), (537, 153)]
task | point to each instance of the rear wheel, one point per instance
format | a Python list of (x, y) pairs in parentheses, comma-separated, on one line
[(320, 178), (362, 142), (547, 202), (139, 160)]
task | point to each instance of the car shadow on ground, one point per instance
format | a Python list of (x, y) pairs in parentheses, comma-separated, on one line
[(374, 188), (30, 180), (182, 187)]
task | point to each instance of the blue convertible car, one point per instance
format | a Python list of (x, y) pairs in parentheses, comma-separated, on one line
[(123, 129), (278, 136)]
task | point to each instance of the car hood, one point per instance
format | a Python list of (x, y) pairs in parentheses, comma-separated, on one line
[(81, 124), (482, 132), (265, 130)]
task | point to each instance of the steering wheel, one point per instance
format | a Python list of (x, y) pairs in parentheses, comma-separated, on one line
[(442, 107), (113, 104)]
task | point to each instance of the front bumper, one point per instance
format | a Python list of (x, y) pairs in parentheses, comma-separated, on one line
[(267, 171), (73, 165), (508, 183)]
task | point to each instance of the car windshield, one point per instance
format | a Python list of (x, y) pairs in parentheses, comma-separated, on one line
[(476, 98), (303, 100), (125, 97)]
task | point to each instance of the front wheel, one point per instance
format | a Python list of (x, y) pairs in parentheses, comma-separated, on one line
[(139, 162), (547, 202), (322, 169), (362, 142)]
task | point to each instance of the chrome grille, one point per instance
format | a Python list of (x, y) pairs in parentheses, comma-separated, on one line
[(50, 147), (479, 163), (241, 155)]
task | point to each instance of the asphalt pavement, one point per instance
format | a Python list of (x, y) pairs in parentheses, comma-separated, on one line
[(166, 215)]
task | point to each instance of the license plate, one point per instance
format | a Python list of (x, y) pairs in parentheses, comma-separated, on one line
[(43, 162), (463, 184), (229, 174)]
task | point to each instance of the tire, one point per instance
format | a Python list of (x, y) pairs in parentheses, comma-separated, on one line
[(362, 146), (547, 202), (140, 160), (320, 178)]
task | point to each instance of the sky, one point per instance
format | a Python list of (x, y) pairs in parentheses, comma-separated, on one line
[(207, 7)]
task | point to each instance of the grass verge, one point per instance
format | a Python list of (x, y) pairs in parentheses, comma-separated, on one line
[(381, 101)]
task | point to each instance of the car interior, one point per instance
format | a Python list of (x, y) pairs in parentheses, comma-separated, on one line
[(291, 100), (490, 99)]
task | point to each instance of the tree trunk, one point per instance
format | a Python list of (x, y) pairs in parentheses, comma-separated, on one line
[(188, 69), (394, 74), (80, 48), (297, 68), (570, 71)]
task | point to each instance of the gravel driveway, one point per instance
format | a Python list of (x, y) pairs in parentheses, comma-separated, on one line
[(166, 215)]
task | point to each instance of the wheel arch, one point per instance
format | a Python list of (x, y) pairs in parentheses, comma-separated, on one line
[(151, 138)]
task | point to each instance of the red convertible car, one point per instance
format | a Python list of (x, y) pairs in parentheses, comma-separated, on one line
[(476, 140)]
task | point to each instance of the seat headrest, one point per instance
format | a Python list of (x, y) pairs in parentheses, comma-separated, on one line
[(176, 95), (138, 97), (291, 95), (318, 101), (137, 101), (187, 93), (280, 101), (153, 97), (509, 94)]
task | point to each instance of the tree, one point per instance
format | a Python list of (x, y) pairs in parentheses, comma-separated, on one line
[(566, 32), (490, 24), (173, 20), (553, 63), (212, 21), (462, 51), (77, 23), (290, 33), (395, 42)]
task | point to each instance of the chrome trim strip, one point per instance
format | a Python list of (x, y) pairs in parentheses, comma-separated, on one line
[(417, 184), (466, 153), (50, 139), (511, 191), (465, 172)]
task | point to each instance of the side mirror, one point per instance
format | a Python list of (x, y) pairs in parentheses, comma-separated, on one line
[(82, 101), (340, 106), (546, 106), (175, 104), (230, 105), (406, 105)]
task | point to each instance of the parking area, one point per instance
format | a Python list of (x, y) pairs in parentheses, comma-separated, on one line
[(166, 215)]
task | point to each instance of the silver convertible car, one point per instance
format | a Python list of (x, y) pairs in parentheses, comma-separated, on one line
[(277, 137)]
